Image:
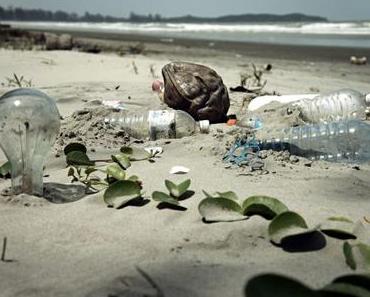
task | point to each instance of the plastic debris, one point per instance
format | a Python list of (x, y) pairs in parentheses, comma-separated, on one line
[(243, 152), (116, 104)]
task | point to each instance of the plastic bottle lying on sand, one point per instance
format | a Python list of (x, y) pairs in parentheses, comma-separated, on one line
[(343, 141), (335, 106), (155, 124), (250, 121)]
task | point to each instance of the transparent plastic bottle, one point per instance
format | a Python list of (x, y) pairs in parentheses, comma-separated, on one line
[(343, 141), (155, 124), (339, 105)]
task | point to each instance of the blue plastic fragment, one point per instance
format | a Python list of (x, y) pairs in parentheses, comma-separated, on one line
[(242, 151)]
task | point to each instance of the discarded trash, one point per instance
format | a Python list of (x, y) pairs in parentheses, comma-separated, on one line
[(29, 125), (158, 87), (347, 141), (242, 152), (157, 124), (252, 122), (179, 170), (116, 104), (358, 60), (260, 101), (197, 90), (339, 105)]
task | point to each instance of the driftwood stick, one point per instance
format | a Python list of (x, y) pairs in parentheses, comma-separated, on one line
[(150, 281), (4, 249)]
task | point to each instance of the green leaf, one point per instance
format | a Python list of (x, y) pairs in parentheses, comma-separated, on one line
[(135, 153), (170, 186), (345, 290), (177, 190), (98, 185), (272, 285), (164, 198), (75, 147), (348, 254), (339, 227), (364, 254), (133, 178), (90, 170), (121, 192), (220, 210), (116, 171), (340, 219), (71, 171), (264, 206), (357, 255), (359, 280), (207, 194), (122, 160), (285, 225), (126, 150), (229, 195), (5, 170), (78, 158)]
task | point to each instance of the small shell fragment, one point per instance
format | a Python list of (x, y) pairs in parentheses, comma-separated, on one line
[(179, 170), (154, 150)]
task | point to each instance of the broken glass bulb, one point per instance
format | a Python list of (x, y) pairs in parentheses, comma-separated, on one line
[(29, 125)]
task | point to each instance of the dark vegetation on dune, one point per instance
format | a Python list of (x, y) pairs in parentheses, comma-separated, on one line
[(21, 14)]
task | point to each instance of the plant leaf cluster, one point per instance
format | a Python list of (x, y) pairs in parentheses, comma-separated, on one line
[(17, 81), (286, 228), (267, 285), (177, 192), (119, 188), (225, 207)]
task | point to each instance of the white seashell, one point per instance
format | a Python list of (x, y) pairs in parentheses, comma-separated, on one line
[(179, 170), (154, 150)]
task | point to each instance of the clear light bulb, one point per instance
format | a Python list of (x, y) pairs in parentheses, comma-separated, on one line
[(29, 125)]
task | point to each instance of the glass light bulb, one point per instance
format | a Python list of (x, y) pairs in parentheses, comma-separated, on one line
[(29, 125)]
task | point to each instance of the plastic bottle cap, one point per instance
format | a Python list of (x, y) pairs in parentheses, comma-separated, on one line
[(204, 126), (367, 99)]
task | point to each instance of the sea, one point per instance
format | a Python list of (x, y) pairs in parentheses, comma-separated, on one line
[(338, 34)]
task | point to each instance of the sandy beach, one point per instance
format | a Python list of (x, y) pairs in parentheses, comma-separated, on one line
[(86, 249)]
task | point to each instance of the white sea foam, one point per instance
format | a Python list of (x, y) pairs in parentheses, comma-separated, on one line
[(348, 28), (350, 34)]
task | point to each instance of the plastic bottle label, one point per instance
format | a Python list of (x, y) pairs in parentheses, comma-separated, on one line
[(161, 124)]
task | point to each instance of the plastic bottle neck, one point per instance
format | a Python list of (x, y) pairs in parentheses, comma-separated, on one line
[(367, 99), (203, 126)]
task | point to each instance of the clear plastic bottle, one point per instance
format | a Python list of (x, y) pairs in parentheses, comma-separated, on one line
[(344, 141), (339, 105), (155, 124)]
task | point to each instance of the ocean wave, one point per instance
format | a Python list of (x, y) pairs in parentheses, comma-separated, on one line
[(344, 28)]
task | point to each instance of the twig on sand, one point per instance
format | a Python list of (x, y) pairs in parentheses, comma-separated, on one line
[(4, 249), (148, 278), (136, 70)]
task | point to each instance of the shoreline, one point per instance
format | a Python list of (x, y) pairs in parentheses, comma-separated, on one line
[(260, 50)]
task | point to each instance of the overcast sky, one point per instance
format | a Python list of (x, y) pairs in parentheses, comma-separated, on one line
[(332, 9)]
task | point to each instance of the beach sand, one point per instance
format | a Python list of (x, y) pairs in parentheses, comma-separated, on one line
[(86, 249)]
